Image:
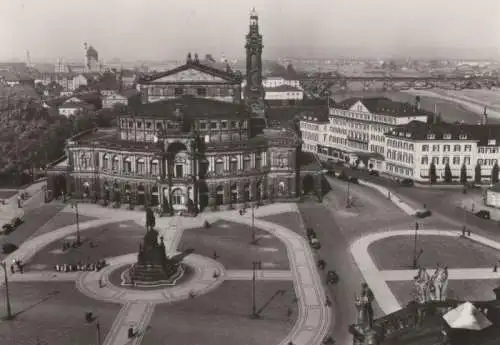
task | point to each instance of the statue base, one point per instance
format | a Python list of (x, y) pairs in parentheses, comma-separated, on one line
[(151, 276)]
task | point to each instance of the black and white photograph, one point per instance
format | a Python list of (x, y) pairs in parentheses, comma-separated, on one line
[(265, 172)]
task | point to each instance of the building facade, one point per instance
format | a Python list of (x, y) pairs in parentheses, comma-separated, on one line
[(402, 141), (191, 144)]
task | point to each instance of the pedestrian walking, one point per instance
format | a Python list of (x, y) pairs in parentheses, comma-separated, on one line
[(468, 233), (495, 268), (289, 312), (463, 231), (328, 302), (12, 269)]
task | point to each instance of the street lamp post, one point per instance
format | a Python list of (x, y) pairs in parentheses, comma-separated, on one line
[(98, 330), (77, 218), (7, 295), (348, 198), (256, 265), (415, 258), (254, 241)]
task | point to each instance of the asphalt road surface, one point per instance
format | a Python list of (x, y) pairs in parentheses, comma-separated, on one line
[(335, 251), (439, 201)]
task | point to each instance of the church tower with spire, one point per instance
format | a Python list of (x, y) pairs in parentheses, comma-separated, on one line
[(254, 91)]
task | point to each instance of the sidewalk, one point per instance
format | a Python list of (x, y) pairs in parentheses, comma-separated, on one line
[(11, 210), (396, 199)]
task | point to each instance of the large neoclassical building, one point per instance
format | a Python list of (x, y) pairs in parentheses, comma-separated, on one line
[(193, 141)]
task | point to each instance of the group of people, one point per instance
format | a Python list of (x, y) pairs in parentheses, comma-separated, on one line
[(81, 267)]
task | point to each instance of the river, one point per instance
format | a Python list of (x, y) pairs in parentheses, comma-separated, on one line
[(451, 111)]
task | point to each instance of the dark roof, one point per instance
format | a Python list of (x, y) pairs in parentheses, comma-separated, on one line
[(383, 106), (230, 77), (192, 107), (129, 93), (283, 116), (416, 130), (108, 82)]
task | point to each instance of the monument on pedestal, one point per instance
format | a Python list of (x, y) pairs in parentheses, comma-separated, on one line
[(154, 267)]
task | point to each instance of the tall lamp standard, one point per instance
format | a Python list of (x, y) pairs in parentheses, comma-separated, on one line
[(89, 318), (348, 197), (254, 240), (74, 205), (256, 265), (7, 295), (415, 255)]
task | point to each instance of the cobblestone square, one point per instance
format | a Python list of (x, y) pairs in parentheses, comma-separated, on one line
[(109, 240), (53, 313), (222, 317), (231, 242), (397, 252)]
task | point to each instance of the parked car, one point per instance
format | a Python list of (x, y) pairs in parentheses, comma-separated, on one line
[(353, 179), (374, 173), (407, 182), (7, 228), (314, 242), (483, 214), (8, 248), (343, 176), (423, 213), (16, 222)]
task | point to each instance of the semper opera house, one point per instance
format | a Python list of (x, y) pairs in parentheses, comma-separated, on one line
[(192, 142)]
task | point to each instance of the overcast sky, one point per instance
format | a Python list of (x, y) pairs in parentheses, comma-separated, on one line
[(167, 29)]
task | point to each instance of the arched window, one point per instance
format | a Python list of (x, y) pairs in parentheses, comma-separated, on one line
[(203, 168), (115, 163), (127, 165), (219, 166), (155, 167), (234, 194), (140, 166), (177, 197), (83, 161), (105, 162), (233, 164), (281, 187), (246, 163)]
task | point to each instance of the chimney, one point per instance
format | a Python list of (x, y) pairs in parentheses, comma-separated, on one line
[(417, 102), (196, 60), (188, 60)]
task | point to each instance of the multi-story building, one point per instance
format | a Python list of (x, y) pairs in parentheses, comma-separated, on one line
[(357, 126), (283, 93), (191, 143), (411, 149)]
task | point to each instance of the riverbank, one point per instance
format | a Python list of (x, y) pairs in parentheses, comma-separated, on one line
[(471, 104)]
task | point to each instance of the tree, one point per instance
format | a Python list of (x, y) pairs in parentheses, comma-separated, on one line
[(463, 174), (448, 177), (477, 174), (494, 173), (432, 173)]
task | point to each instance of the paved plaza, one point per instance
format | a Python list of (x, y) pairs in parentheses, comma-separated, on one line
[(294, 266), (379, 279)]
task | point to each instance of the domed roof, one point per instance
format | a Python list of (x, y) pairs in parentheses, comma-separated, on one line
[(91, 52)]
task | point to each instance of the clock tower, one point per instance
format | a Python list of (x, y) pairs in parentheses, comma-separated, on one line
[(254, 91)]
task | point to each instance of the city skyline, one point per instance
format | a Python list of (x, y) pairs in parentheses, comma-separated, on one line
[(154, 30)]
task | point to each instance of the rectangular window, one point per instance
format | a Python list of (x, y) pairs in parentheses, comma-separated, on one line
[(456, 160), (233, 165), (425, 148), (179, 91), (224, 125), (467, 160), (456, 148), (468, 148), (203, 125), (179, 170), (446, 148), (213, 125), (435, 148), (446, 160), (201, 91), (424, 160)]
